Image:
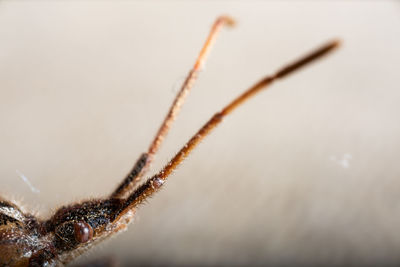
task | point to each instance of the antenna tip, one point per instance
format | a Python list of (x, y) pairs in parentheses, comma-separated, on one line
[(335, 43), (225, 19)]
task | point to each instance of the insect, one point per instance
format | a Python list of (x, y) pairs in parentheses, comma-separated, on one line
[(29, 241)]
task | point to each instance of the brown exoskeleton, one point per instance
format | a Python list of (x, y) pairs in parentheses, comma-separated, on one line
[(28, 241)]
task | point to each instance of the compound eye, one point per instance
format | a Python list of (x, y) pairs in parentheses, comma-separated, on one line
[(83, 232)]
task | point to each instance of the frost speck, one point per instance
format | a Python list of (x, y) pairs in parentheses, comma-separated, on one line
[(344, 161), (26, 180)]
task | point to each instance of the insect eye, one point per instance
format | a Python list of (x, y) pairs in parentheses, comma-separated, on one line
[(83, 232)]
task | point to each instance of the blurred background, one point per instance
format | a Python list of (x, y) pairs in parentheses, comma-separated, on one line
[(304, 174)]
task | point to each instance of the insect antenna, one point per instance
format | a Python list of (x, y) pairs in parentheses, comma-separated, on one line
[(145, 159), (154, 183)]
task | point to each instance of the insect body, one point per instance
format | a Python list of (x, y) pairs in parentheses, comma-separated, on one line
[(28, 241)]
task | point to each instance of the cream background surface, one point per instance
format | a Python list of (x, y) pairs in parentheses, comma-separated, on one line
[(304, 174)]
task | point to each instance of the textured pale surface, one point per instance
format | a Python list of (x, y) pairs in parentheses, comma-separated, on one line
[(306, 173)]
